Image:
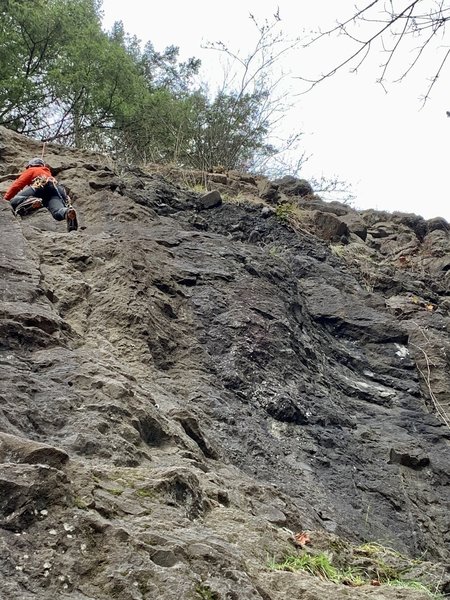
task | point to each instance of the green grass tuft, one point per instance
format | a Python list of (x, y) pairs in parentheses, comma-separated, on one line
[(320, 566), (284, 212)]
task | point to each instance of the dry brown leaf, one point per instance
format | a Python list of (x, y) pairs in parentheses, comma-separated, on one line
[(302, 538)]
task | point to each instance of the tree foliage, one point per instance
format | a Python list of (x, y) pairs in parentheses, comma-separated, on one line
[(62, 78), (227, 131)]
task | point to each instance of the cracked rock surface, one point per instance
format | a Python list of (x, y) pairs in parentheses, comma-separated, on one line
[(186, 383)]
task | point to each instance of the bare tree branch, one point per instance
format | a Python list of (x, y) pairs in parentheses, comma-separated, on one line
[(436, 77), (419, 19)]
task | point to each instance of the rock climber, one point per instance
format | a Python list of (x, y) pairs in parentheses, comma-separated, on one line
[(36, 187)]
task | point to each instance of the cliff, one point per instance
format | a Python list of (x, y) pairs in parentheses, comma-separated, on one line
[(191, 380)]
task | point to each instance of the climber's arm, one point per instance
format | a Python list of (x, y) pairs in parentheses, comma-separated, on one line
[(22, 181)]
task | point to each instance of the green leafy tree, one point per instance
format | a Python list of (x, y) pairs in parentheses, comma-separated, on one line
[(163, 69), (30, 35), (97, 83), (188, 125), (156, 130), (226, 130), (61, 76)]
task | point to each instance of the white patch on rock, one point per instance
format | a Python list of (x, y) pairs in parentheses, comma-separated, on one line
[(384, 392), (402, 351), (369, 373)]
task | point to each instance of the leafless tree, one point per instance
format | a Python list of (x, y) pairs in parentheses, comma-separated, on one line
[(258, 75), (393, 26), (333, 188)]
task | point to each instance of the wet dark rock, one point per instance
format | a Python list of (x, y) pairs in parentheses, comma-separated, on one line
[(285, 409), (199, 222)]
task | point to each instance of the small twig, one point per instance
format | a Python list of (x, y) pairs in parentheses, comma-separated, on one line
[(427, 378)]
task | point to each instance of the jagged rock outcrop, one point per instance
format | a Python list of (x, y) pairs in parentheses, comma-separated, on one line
[(293, 186), (187, 382)]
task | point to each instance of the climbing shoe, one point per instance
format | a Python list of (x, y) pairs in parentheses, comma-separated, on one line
[(28, 206), (71, 218)]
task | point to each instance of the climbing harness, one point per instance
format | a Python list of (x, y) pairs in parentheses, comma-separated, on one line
[(41, 181)]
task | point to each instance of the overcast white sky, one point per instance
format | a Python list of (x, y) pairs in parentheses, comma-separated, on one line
[(392, 152)]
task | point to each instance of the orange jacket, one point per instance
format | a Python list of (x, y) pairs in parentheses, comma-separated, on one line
[(25, 179)]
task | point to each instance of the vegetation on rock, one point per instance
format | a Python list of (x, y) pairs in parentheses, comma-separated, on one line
[(62, 78)]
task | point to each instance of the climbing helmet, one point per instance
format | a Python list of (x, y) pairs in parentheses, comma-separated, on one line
[(36, 162)]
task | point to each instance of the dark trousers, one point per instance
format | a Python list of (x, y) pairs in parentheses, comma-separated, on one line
[(53, 197)]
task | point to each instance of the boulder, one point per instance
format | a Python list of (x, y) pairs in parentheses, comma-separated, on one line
[(329, 227), (292, 186), (437, 224), (209, 200), (355, 224), (268, 190)]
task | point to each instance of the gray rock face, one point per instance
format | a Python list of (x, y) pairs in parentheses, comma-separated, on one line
[(180, 395)]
